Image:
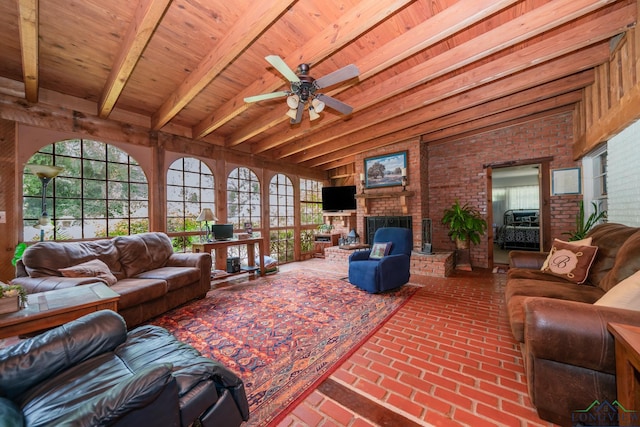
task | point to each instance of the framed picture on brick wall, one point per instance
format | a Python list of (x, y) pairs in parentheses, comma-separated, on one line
[(386, 170), (566, 181)]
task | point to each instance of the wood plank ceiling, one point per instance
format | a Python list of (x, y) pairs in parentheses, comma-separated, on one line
[(432, 68)]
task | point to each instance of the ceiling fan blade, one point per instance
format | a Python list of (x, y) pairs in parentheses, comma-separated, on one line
[(299, 112), (344, 73), (264, 96), (282, 67), (334, 103)]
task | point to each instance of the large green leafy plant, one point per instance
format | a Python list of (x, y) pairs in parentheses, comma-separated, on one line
[(465, 224), (17, 254), (583, 226)]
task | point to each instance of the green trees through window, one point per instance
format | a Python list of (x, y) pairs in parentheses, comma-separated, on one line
[(101, 192), (190, 188), (310, 212), (104, 192), (281, 218), (243, 199)]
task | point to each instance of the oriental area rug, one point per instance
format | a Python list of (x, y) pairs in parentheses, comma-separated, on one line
[(282, 334)]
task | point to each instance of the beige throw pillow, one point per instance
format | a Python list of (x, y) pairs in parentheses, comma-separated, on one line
[(625, 294), (94, 268), (583, 242), (569, 260)]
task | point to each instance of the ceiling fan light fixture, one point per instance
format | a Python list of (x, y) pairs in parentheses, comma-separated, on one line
[(292, 101), (304, 87), (292, 113), (318, 105), (313, 114)]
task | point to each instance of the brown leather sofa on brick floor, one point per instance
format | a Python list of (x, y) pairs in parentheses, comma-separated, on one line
[(568, 352), (150, 278)]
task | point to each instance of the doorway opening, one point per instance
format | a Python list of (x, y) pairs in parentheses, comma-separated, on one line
[(515, 204)]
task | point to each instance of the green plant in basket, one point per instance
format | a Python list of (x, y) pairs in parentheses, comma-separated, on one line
[(465, 224)]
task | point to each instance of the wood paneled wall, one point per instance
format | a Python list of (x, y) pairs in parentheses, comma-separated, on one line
[(8, 229), (612, 102)]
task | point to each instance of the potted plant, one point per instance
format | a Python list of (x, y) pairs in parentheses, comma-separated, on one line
[(12, 298), (325, 228), (17, 254), (465, 224), (582, 226)]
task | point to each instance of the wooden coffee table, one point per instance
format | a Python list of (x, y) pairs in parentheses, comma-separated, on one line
[(46, 310)]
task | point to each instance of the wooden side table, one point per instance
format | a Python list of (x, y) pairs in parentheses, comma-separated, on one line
[(49, 309), (627, 371), (220, 257)]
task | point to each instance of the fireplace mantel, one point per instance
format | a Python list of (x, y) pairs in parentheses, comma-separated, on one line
[(402, 195)]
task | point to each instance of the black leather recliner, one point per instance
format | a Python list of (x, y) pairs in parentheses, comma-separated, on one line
[(91, 372)]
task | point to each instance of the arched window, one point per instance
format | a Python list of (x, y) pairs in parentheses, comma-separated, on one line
[(101, 192), (310, 212), (281, 218), (243, 199), (190, 188)]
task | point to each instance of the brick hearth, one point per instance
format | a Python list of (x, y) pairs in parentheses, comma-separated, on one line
[(439, 264)]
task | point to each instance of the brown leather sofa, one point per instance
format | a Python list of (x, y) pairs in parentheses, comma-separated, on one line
[(568, 352), (142, 268), (92, 372)]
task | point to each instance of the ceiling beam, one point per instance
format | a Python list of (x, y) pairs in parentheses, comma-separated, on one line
[(350, 25), (433, 30), (522, 118), (28, 24), (339, 163), (568, 41), (148, 15), (260, 16), (498, 119), (524, 27), (454, 111), (528, 86), (332, 161)]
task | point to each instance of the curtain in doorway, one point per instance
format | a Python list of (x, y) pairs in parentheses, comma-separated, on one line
[(521, 197)]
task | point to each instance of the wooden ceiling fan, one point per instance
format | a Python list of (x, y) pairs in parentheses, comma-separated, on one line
[(304, 89)]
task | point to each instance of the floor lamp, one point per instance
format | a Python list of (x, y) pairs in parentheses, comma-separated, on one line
[(206, 215), (46, 173)]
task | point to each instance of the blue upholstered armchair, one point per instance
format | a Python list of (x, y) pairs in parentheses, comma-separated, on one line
[(390, 271)]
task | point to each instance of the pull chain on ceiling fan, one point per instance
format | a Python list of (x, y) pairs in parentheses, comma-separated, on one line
[(304, 89)]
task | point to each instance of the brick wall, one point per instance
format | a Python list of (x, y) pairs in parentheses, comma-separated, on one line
[(456, 172), (391, 206), (440, 173)]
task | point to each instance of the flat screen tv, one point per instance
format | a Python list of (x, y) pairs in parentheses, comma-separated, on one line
[(335, 199), (222, 231)]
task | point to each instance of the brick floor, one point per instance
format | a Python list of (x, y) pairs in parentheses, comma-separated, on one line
[(447, 358)]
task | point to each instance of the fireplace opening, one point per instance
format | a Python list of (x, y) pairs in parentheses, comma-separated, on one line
[(372, 223)]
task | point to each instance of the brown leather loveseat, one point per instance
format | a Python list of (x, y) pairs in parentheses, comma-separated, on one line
[(562, 326), (142, 268)]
